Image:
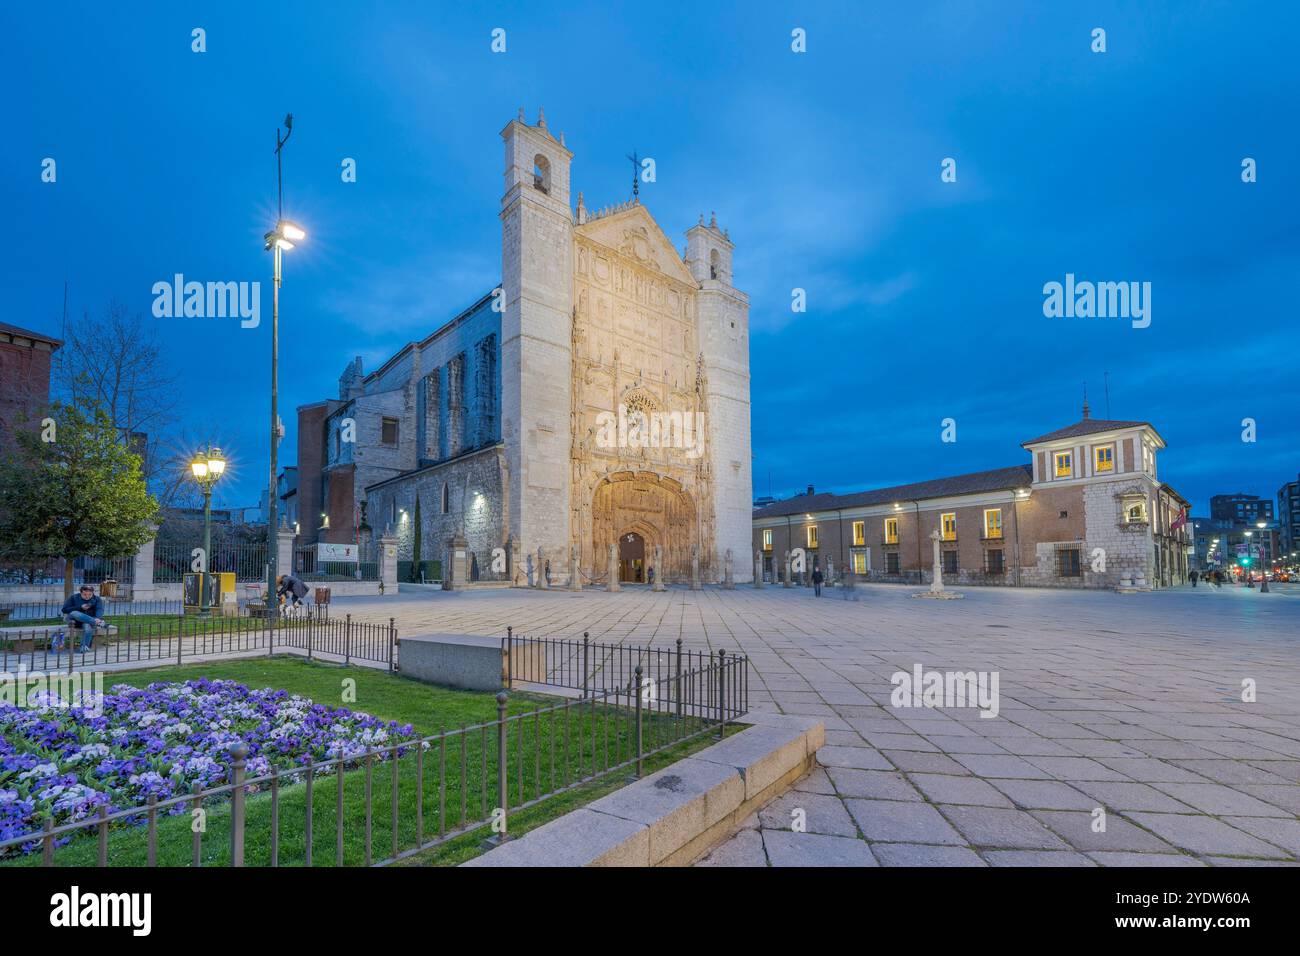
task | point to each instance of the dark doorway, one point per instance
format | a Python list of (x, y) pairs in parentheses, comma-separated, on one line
[(631, 558)]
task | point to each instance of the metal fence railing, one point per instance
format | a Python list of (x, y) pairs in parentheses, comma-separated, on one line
[(437, 787), (171, 562), (593, 668), (51, 610), (342, 571), (85, 570), (311, 631)]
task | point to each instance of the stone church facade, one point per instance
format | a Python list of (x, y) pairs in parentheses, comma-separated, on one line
[(598, 397)]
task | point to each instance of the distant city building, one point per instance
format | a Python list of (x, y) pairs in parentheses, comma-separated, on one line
[(1088, 510), (25, 358), (1222, 544), (1241, 508), (1288, 516)]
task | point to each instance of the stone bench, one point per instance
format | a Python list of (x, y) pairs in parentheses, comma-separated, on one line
[(467, 661)]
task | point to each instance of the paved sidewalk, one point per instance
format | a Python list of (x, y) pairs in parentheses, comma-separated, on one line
[(1129, 705)]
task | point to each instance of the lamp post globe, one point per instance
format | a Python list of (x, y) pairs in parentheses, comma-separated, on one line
[(206, 467)]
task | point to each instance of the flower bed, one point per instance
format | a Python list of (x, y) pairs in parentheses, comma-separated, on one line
[(65, 762)]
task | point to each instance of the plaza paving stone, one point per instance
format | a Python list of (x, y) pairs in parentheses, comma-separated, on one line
[(1132, 702)]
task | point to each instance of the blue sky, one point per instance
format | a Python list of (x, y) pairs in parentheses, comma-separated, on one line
[(924, 298)]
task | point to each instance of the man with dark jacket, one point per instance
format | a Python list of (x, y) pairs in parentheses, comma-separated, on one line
[(292, 588), (84, 608)]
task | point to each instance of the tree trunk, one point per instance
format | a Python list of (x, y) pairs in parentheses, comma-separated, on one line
[(68, 573)]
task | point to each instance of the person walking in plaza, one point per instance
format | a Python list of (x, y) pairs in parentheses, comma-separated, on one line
[(85, 608), (1192, 578), (817, 580)]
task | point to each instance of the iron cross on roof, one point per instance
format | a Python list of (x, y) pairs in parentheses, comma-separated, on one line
[(635, 160)]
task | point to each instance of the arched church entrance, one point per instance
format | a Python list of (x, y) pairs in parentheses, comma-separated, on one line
[(631, 558), (635, 512)]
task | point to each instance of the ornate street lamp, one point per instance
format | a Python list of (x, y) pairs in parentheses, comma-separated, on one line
[(206, 467)]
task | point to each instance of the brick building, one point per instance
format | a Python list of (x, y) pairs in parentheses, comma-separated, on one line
[(25, 358), (1087, 510), (499, 420)]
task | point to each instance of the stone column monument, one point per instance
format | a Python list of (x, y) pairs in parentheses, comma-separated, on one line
[(613, 570), (787, 581), (695, 568), (936, 582), (284, 548), (659, 584), (388, 562), (936, 585), (575, 573), (541, 569), (456, 574), (728, 580), (758, 569), (142, 588)]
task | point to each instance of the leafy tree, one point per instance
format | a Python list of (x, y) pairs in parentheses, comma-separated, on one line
[(417, 547), (76, 491)]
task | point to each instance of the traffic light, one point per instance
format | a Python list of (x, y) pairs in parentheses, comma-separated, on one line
[(1245, 562)]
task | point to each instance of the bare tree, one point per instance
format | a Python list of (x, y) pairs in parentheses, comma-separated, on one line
[(117, 360)]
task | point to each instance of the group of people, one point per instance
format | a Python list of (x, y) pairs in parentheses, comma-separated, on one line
[(1214, 577)]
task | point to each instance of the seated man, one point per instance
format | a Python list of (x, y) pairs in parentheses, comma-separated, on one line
[(84, 607)]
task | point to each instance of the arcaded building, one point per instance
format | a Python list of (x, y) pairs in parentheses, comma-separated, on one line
[(597, 397), (1087, 509)]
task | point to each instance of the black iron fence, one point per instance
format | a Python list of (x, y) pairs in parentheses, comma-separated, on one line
[(436, 788), (85, 570), (592, 667), (52, 610), (171, 562), (312, 631)]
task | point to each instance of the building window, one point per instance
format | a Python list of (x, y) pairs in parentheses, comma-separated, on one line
[(388, 431), (767, 539), (446, 499), (891, 531), (392, 512), (993, 561), (1135, 511), (1103, 458), (1067, 563), (859, 532), (860, 562), (541, 173), (891, 562), (1064, 464), (993, 523), (950, 562), (948, 525), (811, 535)]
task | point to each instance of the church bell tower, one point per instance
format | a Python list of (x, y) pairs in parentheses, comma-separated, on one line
[(536, 338)]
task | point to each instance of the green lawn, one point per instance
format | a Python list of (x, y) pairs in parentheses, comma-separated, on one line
[(551, 749)]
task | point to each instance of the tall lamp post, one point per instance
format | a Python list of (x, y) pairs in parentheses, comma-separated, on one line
[(282, 237), (1263, 570), (206, 467)]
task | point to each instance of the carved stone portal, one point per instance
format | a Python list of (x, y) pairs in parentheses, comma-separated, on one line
[(656, 510)]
